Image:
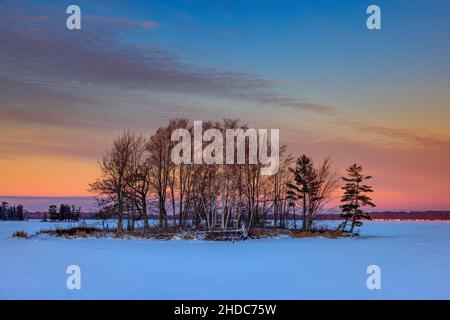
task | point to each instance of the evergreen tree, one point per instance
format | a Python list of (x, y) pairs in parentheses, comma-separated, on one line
[(355, 197), (12, 213), (20, 212), (53, 214), (302, 186), (75, 213), (4, 210), (64, 212)]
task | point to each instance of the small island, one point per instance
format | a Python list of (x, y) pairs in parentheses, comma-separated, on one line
[(215, 201)]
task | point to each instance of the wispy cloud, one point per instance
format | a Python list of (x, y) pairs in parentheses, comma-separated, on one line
[(414, 136), (39, 18), (94, 56), (122, 22), (393, 136), (39, 52)]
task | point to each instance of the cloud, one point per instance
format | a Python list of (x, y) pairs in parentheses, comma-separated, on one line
[(39, 18), (294, 103), (414, 137), (61, 88), (122, 22), (70, 148), (42, 64), (95, 56)]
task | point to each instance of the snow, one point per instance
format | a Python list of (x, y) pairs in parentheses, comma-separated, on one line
[(414, 258)]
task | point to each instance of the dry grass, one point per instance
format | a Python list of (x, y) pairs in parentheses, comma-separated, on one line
[(85, 231), (153, 233), (177, 233), (77, 232), (224, 236), (258, 233), (324, 233), (20, 234)]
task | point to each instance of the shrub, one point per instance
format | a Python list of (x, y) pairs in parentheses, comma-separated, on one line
[(76, 232), (20, 234)]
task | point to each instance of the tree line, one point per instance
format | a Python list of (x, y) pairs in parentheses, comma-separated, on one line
[(137, 176), (65, 212), (14, 213)]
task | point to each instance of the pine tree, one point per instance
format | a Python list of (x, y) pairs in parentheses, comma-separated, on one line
[(75, 213), (304, 182), (355, 197), (4, 210), (53, 214), (20, 212)]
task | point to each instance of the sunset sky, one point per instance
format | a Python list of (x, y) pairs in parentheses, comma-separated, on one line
[(380, 98)]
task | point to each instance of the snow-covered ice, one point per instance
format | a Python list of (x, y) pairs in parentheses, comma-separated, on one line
[(414, 258)]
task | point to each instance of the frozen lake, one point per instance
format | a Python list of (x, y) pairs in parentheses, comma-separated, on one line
[(414, 258)]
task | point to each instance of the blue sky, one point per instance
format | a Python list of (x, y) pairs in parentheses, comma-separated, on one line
[(317, 49)]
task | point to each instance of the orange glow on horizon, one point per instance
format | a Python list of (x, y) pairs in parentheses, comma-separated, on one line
[(38, 176), (46, 176)]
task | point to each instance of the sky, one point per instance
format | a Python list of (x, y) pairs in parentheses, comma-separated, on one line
[(312, 69)]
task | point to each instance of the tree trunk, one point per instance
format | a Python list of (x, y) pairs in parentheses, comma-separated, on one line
[(144, 214), (304, 212), (119, 220), (162, 214)]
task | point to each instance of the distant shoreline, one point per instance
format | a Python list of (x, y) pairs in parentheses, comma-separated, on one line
[(418, 216), (399, 216)]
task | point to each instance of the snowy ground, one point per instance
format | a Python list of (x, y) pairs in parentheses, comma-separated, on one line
[(414, 258)]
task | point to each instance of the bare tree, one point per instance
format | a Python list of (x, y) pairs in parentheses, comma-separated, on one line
[(106, 210), (278, 193), (159, 149), (112, 182), (137, 173), (324, 189), (137, 178)]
